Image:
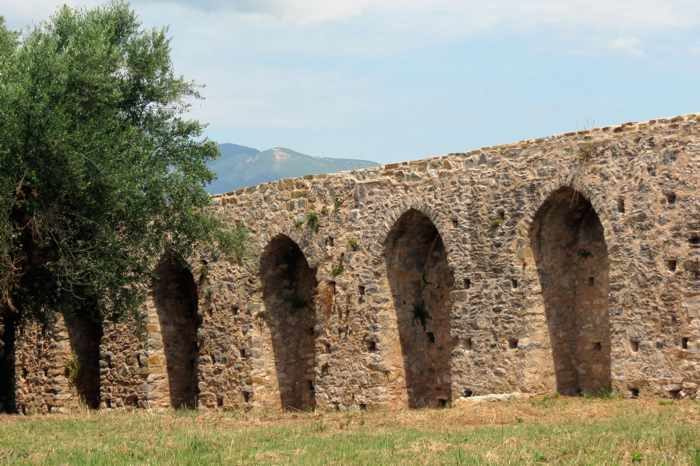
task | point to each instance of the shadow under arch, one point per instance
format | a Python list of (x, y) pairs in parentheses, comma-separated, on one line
[(85, 336), (421, 280), (289, 291), (176, 301), (568, 242), (7, 364)]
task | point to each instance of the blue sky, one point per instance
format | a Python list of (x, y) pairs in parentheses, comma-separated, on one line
[(403, 79)]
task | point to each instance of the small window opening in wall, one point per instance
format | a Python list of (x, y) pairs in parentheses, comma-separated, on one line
[(514, 283), (220, 401), (634, 392), (244, 353), (327, 346), (467, 283), (247, 396), (324, 370), (591, 281), (684, 342), (431, 337), (597, 346), (442, 402), (513, 343), (455, 222), (468, 344), (621, 205), (361, 292), (659, 344), (372, 346), (634, 344), (467, 393), (671, 197), (694, 241), (672, 265)]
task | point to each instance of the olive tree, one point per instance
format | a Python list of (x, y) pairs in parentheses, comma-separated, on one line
[(101, 170)]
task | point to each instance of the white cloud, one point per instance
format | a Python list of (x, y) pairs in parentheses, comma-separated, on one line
[(627, 45), (279, 63), (26, 13), (470, 13), (467, 13)]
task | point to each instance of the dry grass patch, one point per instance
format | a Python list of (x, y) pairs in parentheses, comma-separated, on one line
[(536, 431)]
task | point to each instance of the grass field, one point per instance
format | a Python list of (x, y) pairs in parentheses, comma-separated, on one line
[(534, 431)]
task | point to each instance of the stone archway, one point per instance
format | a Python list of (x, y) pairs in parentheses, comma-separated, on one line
[(289, 289), (421, 281), (176, 298), (568, 242), (7, 364), (83, 369)]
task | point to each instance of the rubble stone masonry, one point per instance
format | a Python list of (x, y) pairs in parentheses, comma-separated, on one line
[(569, 263)]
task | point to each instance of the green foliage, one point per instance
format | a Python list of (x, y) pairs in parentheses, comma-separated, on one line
[(420, 313), (101, 170), (586, 151), (584, 254), (353, 244), (233, 242), (338, 269), (496, 223), (337, 203), (298, 224), (312, 222), (73, 370)]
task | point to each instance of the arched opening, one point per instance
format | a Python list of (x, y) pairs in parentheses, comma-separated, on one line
[(421, 281), (572, 260), (175, 295), (289, 288), (83, 369), (7, 365)]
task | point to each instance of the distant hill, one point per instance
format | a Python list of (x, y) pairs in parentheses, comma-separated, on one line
[(241, 166)]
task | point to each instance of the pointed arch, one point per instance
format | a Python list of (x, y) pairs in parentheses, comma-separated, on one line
[(289, 291), (85, 337), (176, 302), (421, 280), (568, 242)]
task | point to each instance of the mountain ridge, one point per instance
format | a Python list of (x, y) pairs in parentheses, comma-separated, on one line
[(242, 166)]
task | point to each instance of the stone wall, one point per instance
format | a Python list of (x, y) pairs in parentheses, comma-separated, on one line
[(570, 264)]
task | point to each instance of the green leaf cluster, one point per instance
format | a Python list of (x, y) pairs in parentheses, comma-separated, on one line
[(101, 170)]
